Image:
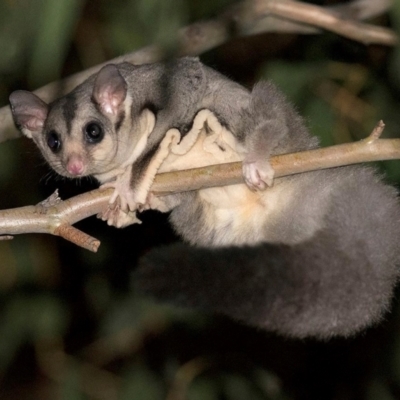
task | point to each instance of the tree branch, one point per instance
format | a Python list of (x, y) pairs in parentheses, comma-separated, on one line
[(326, 19), (55, 217), (245, 18)]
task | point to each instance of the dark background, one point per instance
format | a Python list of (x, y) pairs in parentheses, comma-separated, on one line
[(70, 325)]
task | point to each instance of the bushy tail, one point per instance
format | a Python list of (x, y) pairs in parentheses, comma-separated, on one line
[(317, 288)]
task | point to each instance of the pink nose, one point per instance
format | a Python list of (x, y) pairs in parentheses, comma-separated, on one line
[(75, 167)]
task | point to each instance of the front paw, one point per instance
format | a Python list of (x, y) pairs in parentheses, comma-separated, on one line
[(154, 202), (258, 175), (124, 196), (117, 217)]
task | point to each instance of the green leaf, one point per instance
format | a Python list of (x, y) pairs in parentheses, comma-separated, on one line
[(320, 119), (70, 388), (48, 317), (203, 388), (53, 38), (140, 383), (293, 79)]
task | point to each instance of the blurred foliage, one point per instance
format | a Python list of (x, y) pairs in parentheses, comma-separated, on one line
[(70, 326)]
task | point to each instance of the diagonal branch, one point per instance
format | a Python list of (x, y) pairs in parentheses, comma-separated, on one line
[(55, 218), (325, 19), (246, 18)]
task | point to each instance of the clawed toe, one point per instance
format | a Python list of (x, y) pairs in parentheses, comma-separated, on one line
[(117, 217), (258, 175)]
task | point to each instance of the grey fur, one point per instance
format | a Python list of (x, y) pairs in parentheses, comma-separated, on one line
[(337, 282), (319, 258)]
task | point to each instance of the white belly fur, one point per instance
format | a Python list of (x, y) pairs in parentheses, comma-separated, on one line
[(239, 216)]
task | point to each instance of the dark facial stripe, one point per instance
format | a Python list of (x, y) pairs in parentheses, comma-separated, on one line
[(69, 110), (141, 164)]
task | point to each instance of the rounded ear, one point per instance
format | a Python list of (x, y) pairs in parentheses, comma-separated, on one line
[(109, 90), (29, 112)]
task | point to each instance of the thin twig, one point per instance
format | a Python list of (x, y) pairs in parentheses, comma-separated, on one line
[(325, 19), (377, 132), (78, 237)]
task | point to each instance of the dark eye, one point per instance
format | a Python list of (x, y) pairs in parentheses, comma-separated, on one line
[(53, 141), (93, 132)]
